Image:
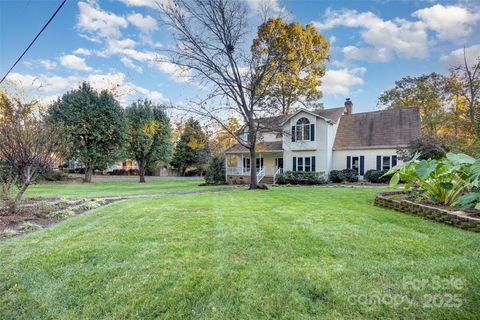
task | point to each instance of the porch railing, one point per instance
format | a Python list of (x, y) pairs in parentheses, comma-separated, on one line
[(277, 173), (234, 171), (260, 174)]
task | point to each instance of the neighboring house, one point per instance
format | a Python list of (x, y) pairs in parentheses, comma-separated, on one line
[(325, 140)]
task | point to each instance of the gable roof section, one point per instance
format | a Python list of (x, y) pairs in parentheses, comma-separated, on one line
[(333, 114), (318, 113), (276, 122), (386, 128)]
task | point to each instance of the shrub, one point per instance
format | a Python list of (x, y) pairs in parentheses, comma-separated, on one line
[(53, 175), (428, 147), (28, 226), (215, 172), (351, 175), (61, 214), (336, 176), (377, 176), (89, 205), (42, 208), (7, 233), (300, 177), (65, 202)]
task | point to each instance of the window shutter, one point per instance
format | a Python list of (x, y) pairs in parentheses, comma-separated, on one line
[(394, 161), (362, 165), (379, 162), (294, 163), (349, 161), (312, 132), (313, 164), (293, 133)]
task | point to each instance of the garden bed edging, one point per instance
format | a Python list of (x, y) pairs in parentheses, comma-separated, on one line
[(391, 200)]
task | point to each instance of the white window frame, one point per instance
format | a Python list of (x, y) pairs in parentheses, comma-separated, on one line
[(304, 164), (389, 163), (301, 128), (351, 164)]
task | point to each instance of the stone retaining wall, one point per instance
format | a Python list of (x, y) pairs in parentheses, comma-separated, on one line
[(390, 200)]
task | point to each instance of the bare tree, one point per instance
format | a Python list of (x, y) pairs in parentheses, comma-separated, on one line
[(469, 75), (28, 146), (209, 43)]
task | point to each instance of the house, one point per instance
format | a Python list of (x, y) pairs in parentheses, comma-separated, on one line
[(325, 140)]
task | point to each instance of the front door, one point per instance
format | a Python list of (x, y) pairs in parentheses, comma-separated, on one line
[(279, 163)]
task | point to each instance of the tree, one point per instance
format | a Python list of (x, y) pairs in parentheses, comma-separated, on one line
[(223, 138), (191, 148), (28, 146), (427, 147), (149, 134), (208, 37), (95, 125), (465, 85), (300, 61), (215, 173), (428, 92)]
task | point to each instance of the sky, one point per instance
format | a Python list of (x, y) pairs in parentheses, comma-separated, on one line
[(113, 44)]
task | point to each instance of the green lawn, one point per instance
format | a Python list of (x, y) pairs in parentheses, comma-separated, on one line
[(103, 188), (290, 253)]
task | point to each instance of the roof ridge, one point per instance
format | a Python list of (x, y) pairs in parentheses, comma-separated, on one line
[(407, 108)]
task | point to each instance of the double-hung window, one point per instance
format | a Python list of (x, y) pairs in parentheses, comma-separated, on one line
[(306, 164), (386, 162)]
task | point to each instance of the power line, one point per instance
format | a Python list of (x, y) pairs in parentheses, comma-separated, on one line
[(31, 43)]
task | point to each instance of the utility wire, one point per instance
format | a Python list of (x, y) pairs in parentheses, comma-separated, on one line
[(31, 43)]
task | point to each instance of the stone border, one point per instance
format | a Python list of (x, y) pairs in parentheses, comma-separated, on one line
[(453, 218)]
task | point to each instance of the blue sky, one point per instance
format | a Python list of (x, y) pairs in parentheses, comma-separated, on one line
[(112, 44)]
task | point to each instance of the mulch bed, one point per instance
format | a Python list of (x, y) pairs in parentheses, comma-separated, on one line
[(37, 210)]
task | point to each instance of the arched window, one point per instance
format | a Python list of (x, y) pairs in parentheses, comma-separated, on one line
[(302, 129)]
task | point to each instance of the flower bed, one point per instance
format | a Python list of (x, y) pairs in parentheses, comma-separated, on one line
[(399, 201)]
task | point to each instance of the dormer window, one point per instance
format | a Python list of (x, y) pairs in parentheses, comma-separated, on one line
[(302, 129)]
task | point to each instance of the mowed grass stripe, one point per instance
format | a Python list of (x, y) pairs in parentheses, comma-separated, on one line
[(283, 253)]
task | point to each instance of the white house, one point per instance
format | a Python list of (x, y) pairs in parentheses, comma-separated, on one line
[(325, 140)]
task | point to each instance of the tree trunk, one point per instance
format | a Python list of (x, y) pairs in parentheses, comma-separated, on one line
[(142, 166), (88, 175), (19, 197), (253, 168)]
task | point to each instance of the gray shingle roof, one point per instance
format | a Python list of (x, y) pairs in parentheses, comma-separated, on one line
[(261, 147), (385, 128)]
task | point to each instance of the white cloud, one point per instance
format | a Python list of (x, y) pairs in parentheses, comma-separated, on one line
[(368, 54), (145, 23), (455, 57), (71, 61), (83, 51), (270, 7), (48, 64), (129, 64), (92, 19), (48, 88), (339, 81), (332, 39), (450, 22), (394, 37), (142, 3)]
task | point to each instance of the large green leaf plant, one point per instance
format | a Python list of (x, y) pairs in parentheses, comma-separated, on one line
[(453, 180)]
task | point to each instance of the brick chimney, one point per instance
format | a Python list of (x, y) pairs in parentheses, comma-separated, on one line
[(348, 106)]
